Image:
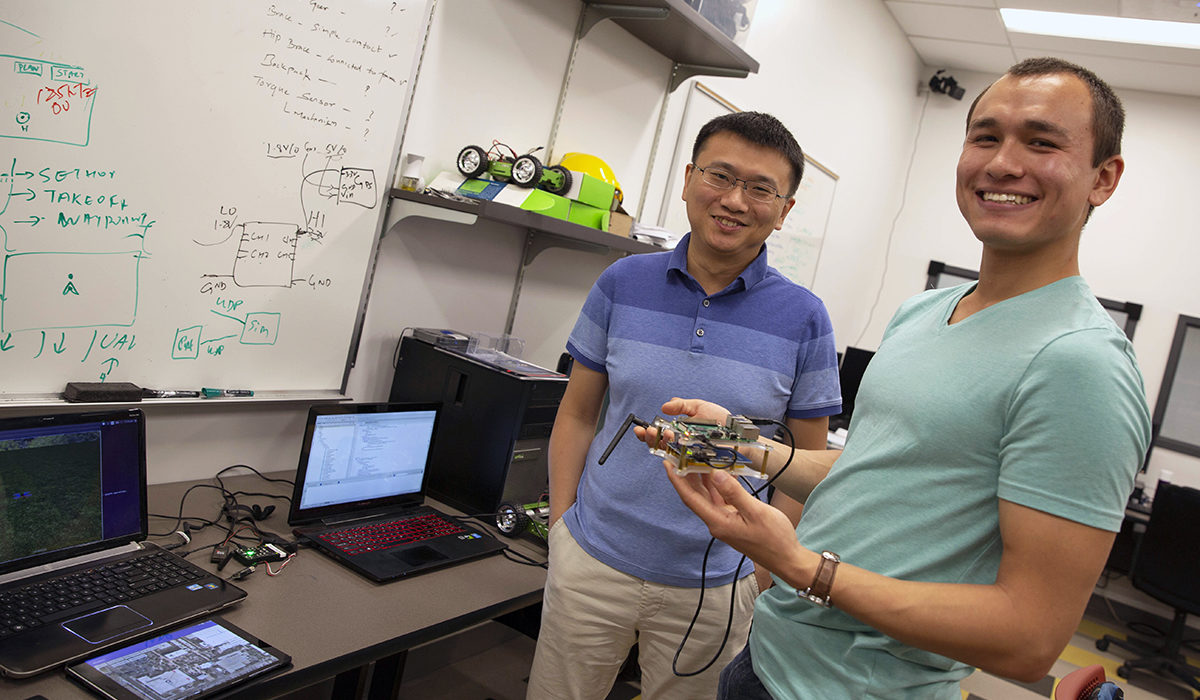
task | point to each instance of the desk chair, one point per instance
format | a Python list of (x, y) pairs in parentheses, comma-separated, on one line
[(1087, 683), (1168, 569)]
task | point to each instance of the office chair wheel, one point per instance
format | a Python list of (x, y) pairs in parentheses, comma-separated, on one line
[(511, 519), (1123, 671), (1102, 644)]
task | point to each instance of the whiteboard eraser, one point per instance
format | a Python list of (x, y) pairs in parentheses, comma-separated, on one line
[(99, 392)]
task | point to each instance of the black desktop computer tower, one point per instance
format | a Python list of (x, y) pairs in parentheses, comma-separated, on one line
[(493, 433)]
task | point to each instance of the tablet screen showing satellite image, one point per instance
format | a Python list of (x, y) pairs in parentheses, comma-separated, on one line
[(190, 662)]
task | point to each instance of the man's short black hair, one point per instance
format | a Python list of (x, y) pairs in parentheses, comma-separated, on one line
[(1108, 116), (758, 128)]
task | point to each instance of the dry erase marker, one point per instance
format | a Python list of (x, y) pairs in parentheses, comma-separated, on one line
[(169, 394), (213, 393)]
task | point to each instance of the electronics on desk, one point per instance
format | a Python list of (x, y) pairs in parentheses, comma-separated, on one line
[(193, 662), (359, 495), (77, 529), (494, 430)]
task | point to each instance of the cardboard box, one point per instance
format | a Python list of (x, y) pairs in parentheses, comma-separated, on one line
[(620, 224)]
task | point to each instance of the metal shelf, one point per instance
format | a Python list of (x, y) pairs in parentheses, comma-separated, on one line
[(677, 31), (553, 232), (541, 232)]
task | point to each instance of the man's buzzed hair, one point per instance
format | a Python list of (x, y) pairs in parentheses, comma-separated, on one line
[(1108, 116)]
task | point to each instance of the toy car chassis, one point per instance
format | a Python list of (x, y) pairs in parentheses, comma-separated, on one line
[(512, 519), (502, 164)]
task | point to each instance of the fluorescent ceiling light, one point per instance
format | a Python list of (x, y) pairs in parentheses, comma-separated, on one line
[(1123, 29)]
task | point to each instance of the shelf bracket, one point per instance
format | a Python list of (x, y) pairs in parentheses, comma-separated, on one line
[(683, 71), (535, 243), (595, 13)]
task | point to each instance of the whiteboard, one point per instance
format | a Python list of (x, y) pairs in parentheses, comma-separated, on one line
[(192, 193), (795, 249)]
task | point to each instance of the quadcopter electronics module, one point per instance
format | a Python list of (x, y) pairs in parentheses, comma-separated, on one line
[(702, 446)]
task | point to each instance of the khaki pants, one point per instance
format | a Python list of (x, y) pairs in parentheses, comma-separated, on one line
[(592, 614)]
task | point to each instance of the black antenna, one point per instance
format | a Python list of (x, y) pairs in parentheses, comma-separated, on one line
[(629, 420)]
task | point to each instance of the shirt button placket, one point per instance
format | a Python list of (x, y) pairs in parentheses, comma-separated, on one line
[(698, 343)]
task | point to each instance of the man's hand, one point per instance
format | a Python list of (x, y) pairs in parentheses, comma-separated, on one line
[(737, 518), (692, 408), (696, 408)]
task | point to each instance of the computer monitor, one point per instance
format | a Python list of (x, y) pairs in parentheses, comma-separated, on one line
[(850, 373)]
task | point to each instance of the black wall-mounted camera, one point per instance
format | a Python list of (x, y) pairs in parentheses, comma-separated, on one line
[(946, 85)]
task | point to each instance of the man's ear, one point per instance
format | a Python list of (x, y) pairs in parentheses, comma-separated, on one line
[(787, 206), (687, 176), (1107, 176)]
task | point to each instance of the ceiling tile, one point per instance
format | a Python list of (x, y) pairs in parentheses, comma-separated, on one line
[(990, 4), (950, 22), (970, 35), (1108, 49), (984, 58), (1136, 75), (1081, 7)]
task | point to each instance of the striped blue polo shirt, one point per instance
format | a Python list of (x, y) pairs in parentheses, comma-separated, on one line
[(762, 347)]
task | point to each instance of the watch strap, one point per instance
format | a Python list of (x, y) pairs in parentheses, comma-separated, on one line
[(818, 592)]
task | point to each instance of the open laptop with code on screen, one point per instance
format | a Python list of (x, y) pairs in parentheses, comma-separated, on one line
[(359, 495)]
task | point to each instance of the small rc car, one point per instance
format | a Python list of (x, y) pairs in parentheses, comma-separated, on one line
[(513, 519), (503, 164)]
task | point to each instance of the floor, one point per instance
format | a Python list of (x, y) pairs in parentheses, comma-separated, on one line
[(491, 661)]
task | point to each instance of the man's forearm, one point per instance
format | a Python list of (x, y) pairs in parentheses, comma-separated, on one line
[(568, 450), (801, 470)]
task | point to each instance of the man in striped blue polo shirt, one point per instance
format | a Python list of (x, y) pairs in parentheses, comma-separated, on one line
[(627, 559)]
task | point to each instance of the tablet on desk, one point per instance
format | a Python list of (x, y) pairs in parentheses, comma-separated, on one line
[(196, 661)]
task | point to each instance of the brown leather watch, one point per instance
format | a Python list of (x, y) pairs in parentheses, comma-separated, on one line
[(822, 583)]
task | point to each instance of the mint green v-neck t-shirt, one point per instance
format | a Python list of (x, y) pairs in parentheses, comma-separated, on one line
[(1037, 400)]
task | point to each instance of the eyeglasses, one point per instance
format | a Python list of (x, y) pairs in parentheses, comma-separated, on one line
[(720, 180)]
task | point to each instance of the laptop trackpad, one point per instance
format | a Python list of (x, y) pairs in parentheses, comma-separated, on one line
[(106, 624), (422, 554)]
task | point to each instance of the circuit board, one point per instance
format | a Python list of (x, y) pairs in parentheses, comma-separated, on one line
[(700, 447)]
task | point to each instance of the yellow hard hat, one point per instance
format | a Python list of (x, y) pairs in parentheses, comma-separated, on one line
[(591, 165)]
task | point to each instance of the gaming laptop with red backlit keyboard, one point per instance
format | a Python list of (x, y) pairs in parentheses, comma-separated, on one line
[(359, 495)]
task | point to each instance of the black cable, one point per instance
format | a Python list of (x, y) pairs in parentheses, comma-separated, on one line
[(179, 518), (260, 475), (791, 443), (696, 616), (522, 558)]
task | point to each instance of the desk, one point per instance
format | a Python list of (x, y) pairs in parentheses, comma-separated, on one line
[(332, 621)]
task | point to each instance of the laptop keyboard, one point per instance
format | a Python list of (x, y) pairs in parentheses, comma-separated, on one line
[(79, 592), (390, 533)]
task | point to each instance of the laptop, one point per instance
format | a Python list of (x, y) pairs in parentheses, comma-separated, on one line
[(359, 495), (73, 522)]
